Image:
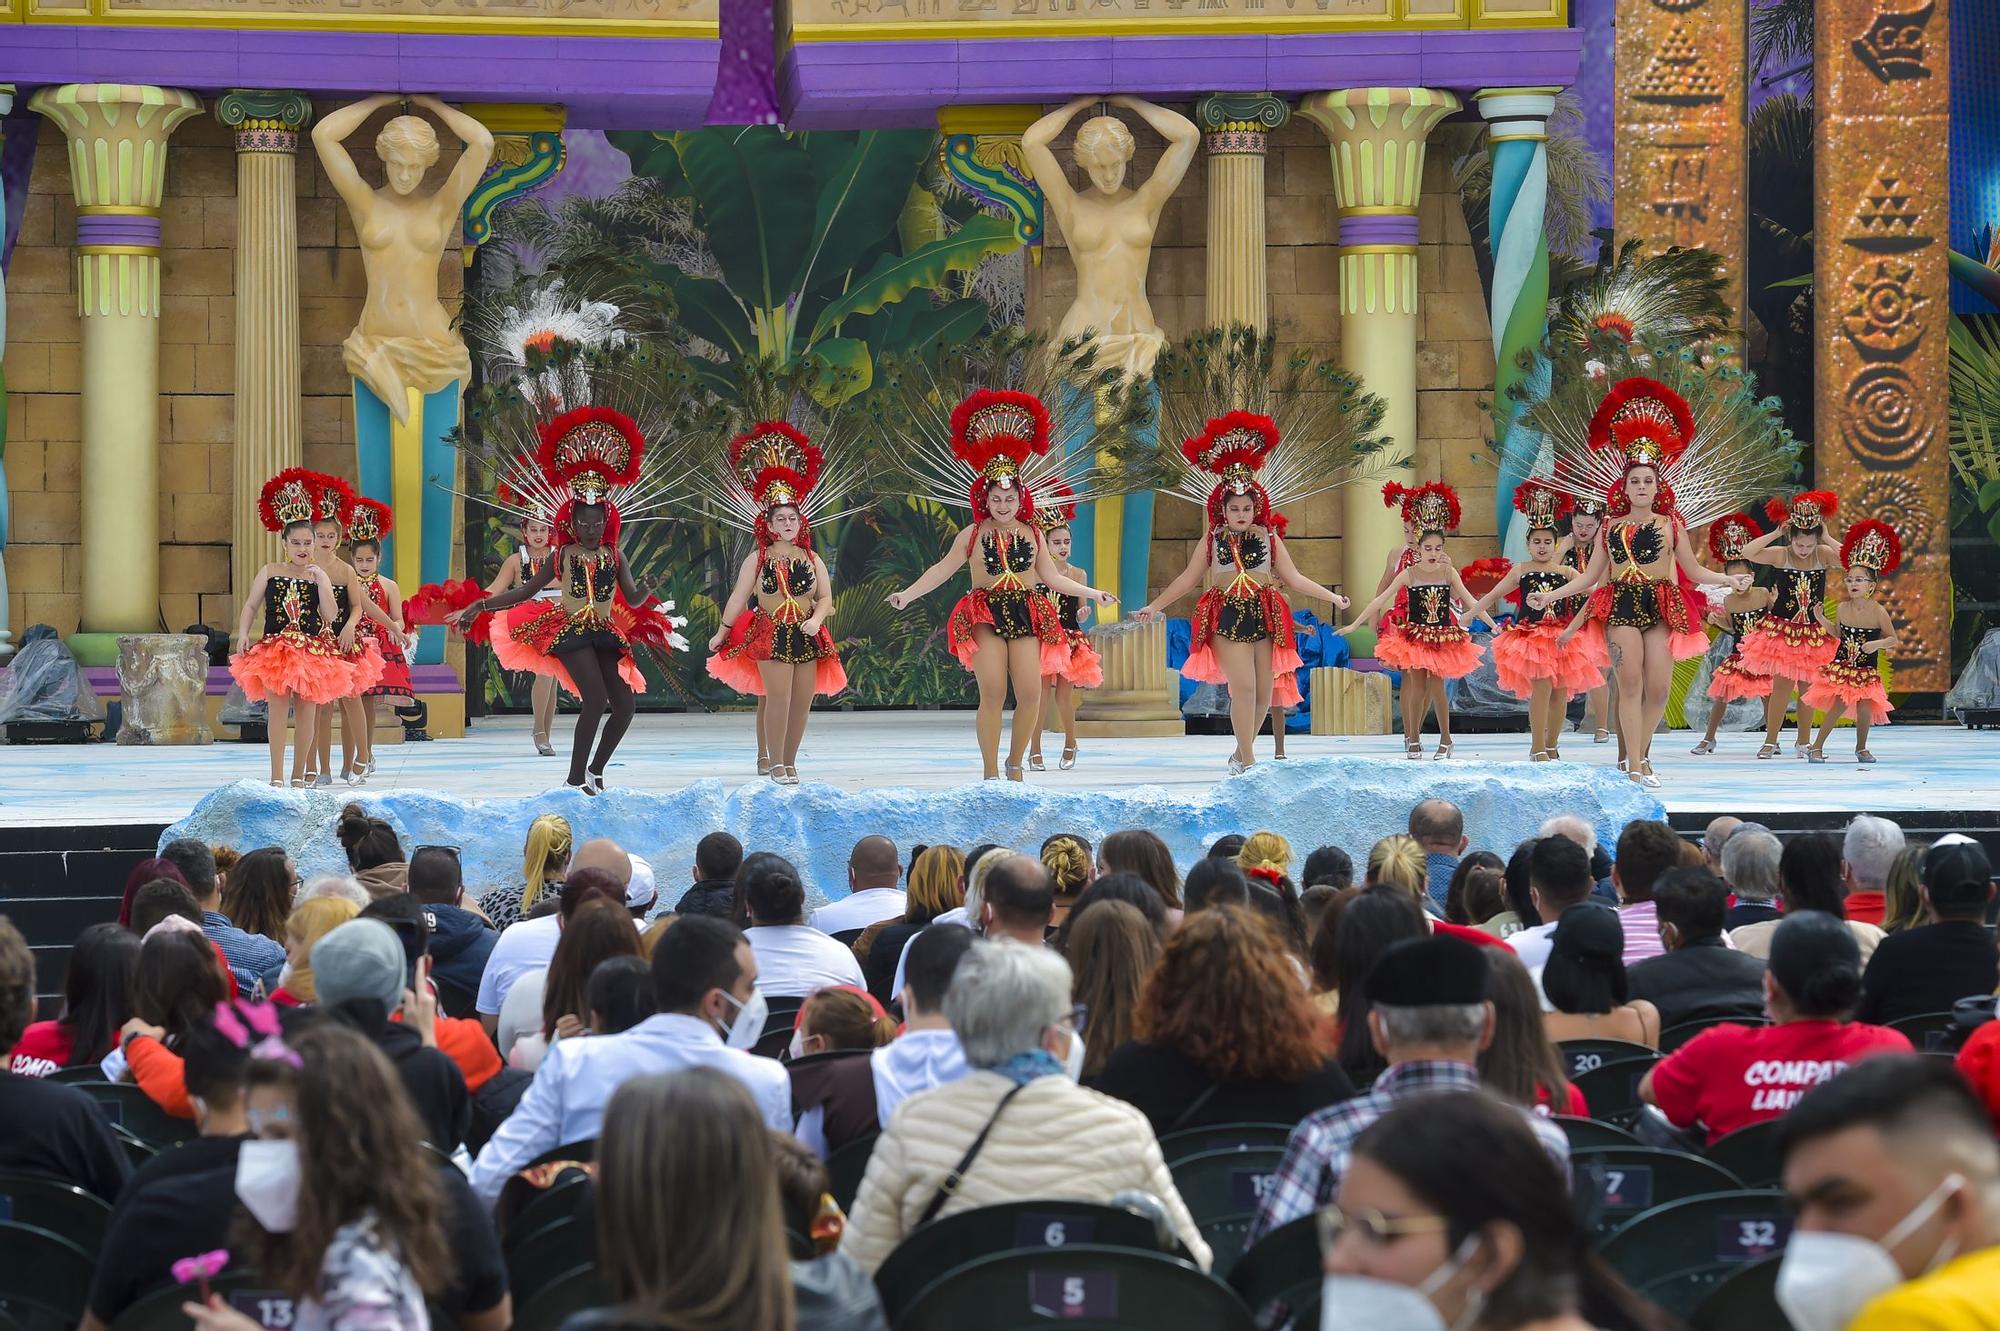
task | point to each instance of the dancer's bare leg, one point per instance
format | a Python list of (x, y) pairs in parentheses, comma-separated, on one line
[(777, 709), (1835, 710), (1774, 711), (307, 726), (274, 733), (1024, 667), (763, 742), (1628, 669), (804, 677), (1039, 722), (1239, 667), (1864, 717), (989, 668), (1657, 677), (542, 698)]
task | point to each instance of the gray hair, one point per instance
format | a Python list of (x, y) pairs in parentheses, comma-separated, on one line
[(1569, 825), (1750, 864), (1870, 849), (1717, 834), (336, 885), (1002, 997), (1449, 1023)]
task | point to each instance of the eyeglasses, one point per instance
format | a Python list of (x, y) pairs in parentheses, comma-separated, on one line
[(443, 850), (1078, 1017), (1380, 1230)]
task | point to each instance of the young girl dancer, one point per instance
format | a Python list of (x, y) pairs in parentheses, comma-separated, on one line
[(773, 641), (1853, 677), (333, 507), (1396, 495), (1429, 646), (370, 523), (1528, 659), (1792, 642), (294, 663), (1586, 519), (1086, 667), (1733, 679), (536, 554)]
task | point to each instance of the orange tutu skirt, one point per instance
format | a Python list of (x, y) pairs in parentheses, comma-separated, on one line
[(290, 664), (1845, 682), (1645, 604), (1086, 667), (1263, 616), (1734, 681), (1447, 651), (524, 646), (1524, 655), (365, 660), (755, 637), (1788, 648), (1012, 614)]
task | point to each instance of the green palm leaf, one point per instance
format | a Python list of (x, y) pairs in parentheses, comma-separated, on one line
[(897, 276)]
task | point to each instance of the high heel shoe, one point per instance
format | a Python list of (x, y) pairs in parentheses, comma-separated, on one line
[(1600, 736), (543, 747), (1237, 767), (1815, 756), (1767, 751), (1863, 756), (1014, 772), (1555, 755), (1706, 746), (1646, 777), (1443, 751), (1538, 755), (1413, 748), (593, 782), (1068, 759), (584, 785), (764, 764), (1035, 763)]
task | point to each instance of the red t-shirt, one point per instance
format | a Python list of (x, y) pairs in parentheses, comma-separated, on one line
[(1479, 936), (1867, 907), (1730, 1077), (44, 1048)]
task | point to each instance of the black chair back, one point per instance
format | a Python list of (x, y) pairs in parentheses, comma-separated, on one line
[(1222, 1136), (1581, 1056), (1678, 1034), (132, 1109), (932, 1253), (536, 1261), (1746, 1301), (87, 1072), (1614, 1183), (847, 937), (1279, 1275), (1222, 1190), (1932, 1032), (577, 1290), (239, 1288), (56, 1205), (1085, 1285), (1751, 1154), (1587, 1132), (1612, 1091), (777, 1035), (44, 1277), (846, 1166), (1677, 1254), (568, 1198)]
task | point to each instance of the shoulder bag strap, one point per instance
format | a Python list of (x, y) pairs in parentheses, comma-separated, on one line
[(949, 1188), (1193, 1107)]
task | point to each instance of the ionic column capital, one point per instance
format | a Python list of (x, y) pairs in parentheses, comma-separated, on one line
[(1516, 113), (1240, 122), (265, 120)]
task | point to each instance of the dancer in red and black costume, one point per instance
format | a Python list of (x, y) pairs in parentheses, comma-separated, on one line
[(333, 509), (1586, 520), (1853, 678), (1791, 643), (1733, 679), (371, 521), (1086, 667)]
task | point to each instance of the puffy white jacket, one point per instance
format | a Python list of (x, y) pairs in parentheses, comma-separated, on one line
[(1055, 1140)]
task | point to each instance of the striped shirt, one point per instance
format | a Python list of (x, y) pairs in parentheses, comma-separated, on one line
[(250, 957)]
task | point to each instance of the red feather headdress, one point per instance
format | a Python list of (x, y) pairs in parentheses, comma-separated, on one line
[(1057, 509), (778, 467), (1649, 425), (1872, 544), (1728, 534), (995, 432), (1807, 511), (1431, 507), (333, 500), (1543, 507), (1483, 575), (1233, 448), (589, 450), (286, 498), (371, 521)]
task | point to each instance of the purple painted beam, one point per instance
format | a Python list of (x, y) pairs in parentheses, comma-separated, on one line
[(606, 82), (843, 84)]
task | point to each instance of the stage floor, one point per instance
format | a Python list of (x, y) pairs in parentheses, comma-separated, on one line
[(1922, 767)]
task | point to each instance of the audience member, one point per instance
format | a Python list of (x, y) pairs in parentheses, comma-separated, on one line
[(684, 1168), (544, 859), (175, 987), (793, 958), (1266, 851), (1313, 903), (1011, 1007), (1214, 882), (1429, 1017), (643, 892), (717, 857), (1894, 1177), (309, 922), (252, 958), (1558, 874), (1374, 921), (1930, 967), (1645, 851), (1067, 858), (1520, 896), (547, 1005), (258, 893), (461, 940), (1137, 851), (1715, 839), (1324, 954), (1398, 862), (51, 1128), (1809, 878), (1438, 828), (1979, 1063), (1019, 900), (620, 995), (97, 1000), (937, 885), (461, 1039), (705, 979), (374, 852), (1903, 906), (1580, 830), (144, 872), (336, 886), (1328, 866), (1484, 1235), (873, 870), (927, 1053), (833, 1293), (1867, 850), (1587, 985), (1455, 908), (1111, 952), (1729, 1077), (1521, 1063), (1133, 891), (529, 945), (360, 969), (1222, 1032), (833, 1080), (1750, 869), (1278, 903), (1226, 847), (1700, 978)]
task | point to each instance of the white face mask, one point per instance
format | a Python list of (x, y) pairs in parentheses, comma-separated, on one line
[(1362, 1303), (1073, 1059), (267, 1181), (749, 1022), (1824, 1279), (797, 1049)]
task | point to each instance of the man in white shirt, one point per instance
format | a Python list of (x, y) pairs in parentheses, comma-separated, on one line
[(872, 874), (531, 944), (927, 1053), (710, 1014), (1558, 878), (792, 957)]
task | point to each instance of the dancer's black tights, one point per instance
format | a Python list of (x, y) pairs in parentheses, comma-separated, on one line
[(599, 688)]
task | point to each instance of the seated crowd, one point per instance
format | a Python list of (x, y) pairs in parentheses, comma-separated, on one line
[(367, 1093)]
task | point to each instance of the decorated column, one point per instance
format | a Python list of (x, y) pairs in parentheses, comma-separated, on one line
[(1517, 153), (268, 431), (1880, 94), (6, 637), (1236, 129), (1376, 138), (117, 136)]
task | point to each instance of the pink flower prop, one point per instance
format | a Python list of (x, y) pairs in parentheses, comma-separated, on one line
[(200, 1267)]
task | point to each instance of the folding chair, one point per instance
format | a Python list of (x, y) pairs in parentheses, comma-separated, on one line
[(239, 1288), (1931, 1032), (1087, 1286), (132, 1109), (1222, 1136), (1677, 1254), (932, 1253), (1678, 1034), (44, 1277), (56, 1205), (574, 1291), (777, 1034), (1613, 1089), (1615, 1183), (846, 1166), (1750, 1154), (1581, 1056), (539, 1260), (1222, 1190), (1746, 1301), (1587, 1132), (1282, 1269)]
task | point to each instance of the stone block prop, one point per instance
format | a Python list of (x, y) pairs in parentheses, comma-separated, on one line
[(163, 689), (1140, 695), (1351, 702)]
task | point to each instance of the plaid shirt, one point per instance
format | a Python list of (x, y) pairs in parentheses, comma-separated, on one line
[(1316, 1155), (1438, 869), (251, 957)]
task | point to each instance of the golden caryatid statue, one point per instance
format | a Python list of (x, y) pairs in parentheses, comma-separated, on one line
[(1109, 227), (404, 339)]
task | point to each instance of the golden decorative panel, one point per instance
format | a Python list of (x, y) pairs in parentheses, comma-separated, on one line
[(858, 20), (659, 18)]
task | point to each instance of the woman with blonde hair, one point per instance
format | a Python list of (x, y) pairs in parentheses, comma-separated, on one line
[(1265, 855), (1111, 951), (544, 859), (1398, 861), (309, 922), (1067, 858), (1906, 908), (935, 884)]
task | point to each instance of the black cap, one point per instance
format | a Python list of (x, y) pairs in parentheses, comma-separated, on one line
[(1957, 862), (1438, 971)]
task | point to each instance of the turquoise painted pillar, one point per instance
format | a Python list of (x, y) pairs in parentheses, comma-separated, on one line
[(409, 466), (1517, 146), (6, 638)]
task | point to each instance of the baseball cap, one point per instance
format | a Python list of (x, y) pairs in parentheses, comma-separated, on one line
[(360, 959)]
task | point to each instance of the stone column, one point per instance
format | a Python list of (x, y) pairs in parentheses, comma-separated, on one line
[(1517, 150), (117, 135), (1376, 138), (268, 429), (1140, 696), (1235, 128), (1880, 102), (6, 637)]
